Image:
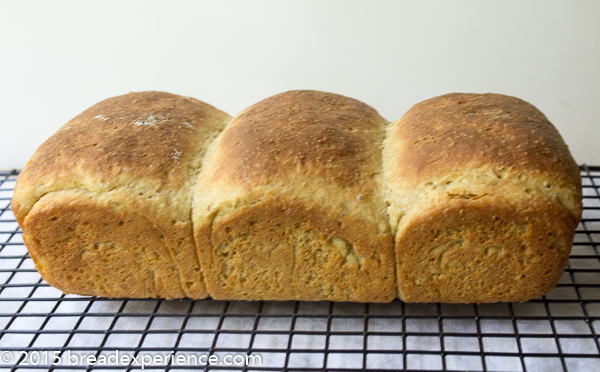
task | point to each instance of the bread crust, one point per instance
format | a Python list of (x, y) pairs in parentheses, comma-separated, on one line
[(283, 175), (143, 139), (495, 132), (488, 173), (449, 131), (322, 135), (305, 195), (483, 250), (96, 246), (140, 152), (290, 249)]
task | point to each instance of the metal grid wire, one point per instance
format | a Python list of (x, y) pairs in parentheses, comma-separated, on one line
[(556, 332)]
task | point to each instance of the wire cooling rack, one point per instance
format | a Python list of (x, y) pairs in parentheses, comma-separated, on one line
[(39, 324)]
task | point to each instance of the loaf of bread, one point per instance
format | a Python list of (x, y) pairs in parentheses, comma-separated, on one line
[(305, 195)]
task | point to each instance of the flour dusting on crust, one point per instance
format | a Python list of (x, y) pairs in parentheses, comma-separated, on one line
[(101, 117), (151, 120)]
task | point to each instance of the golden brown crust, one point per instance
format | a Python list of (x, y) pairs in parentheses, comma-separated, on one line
[(147, 136), (294, 199), (93, 246), (140, 152), (447, 132), (482, 250), (489, 132), (280, 249), (467, 174), (325, 135), (274, 185)]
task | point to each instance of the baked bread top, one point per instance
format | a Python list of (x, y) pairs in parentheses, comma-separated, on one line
[(473, 145), (309, 131), (455, 129), (300, 145), (146, 144)]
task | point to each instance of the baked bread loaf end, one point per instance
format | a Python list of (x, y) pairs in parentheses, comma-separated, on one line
[(484, 200), (105, 203)]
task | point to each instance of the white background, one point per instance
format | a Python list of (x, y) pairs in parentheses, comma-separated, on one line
[(57, 58)]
